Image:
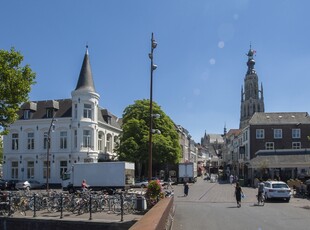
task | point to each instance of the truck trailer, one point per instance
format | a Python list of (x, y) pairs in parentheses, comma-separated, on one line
[(99, 176), (187, 172)]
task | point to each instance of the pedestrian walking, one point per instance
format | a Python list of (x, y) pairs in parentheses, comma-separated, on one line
[(238, 194), (186, 188), (231, 179), (169, 185)]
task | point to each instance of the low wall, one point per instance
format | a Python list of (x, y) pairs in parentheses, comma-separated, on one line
[(9, 223), (158, 218)]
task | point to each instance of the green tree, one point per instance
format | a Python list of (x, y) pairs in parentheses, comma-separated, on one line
[(15, 85), (134, 140), (1, 151)]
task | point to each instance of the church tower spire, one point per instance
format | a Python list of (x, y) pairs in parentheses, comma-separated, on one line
[(252, 99)]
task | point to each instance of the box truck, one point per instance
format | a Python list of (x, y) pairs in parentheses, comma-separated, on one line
[(99, 176), (187, 172)]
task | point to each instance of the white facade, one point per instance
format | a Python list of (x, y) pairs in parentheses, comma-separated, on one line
[(77, 128)]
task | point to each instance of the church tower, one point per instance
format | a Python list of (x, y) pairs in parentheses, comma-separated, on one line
[(252, 99)]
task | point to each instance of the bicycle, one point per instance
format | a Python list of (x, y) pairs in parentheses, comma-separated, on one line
[(5, 207), (261, 199), (20, 203), (116, 205), (169, 193), (129, 205)]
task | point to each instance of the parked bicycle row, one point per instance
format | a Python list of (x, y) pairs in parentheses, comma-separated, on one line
[(24, 202)]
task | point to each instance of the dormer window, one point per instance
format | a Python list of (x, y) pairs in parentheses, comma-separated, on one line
[(49, 113), (87, 111), (26, 114)]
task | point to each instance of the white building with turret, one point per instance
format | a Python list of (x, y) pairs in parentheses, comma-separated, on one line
[(49, 136)]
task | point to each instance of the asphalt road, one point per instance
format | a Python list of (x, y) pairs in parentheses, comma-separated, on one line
[(212, 206)]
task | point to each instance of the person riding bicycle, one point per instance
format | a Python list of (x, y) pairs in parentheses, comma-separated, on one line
[(261, 186), (84, 186)]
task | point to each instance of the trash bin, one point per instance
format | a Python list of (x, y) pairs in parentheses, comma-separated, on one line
[(141, 203), (241, 182)]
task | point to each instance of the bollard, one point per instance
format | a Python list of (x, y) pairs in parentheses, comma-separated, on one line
[(122, 207), (90, 209), (61, 206), (10, 203), (34, 206)]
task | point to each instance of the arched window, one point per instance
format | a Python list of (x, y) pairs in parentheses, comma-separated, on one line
[(115, 139), (109, 143), (100, 141)]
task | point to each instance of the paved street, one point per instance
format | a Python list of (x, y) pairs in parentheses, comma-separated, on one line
[(212, 206)]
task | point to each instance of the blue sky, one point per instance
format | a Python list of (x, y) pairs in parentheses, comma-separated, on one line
[(200, 54)]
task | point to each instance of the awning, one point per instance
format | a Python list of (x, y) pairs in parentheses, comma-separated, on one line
[(280, 161)]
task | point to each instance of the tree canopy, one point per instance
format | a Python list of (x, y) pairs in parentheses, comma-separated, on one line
[(1, 152), (134, 139), (15, 85)]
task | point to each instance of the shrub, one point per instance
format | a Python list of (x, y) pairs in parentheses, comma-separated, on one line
[(154, 193)]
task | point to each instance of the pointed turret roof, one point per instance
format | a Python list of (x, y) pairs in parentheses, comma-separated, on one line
[(86, 78)]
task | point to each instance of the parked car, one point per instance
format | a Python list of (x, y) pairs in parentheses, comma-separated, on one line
[(22, 185), (277, 189), (142, 184), (34, 184), (30, 184), (11, 184), (3, 184)]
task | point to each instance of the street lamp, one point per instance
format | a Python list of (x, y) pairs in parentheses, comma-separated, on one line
[(51, 129), (153, 67)]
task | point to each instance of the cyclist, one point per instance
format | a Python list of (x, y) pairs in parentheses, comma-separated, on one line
[(84, 186), (261, 186)]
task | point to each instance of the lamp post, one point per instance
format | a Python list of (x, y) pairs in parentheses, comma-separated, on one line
[(153, 67), (51, 128)]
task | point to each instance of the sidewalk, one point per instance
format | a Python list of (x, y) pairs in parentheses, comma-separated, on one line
[(95, 217)]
